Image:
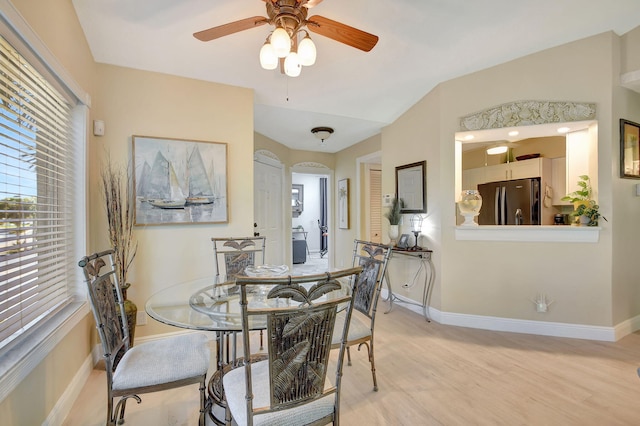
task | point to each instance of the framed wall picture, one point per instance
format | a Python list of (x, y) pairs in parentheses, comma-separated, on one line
[(343, 204), (411, 184), (629, 149), (179, 181), (403, 242), (297, 199)]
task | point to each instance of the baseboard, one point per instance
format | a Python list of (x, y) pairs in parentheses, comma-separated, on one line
[(543, 328), (63, 406)]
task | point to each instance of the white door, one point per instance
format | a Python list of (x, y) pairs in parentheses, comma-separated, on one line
[(267, 205)]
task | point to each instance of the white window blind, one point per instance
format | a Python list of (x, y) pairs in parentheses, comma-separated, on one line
[(36, 196)]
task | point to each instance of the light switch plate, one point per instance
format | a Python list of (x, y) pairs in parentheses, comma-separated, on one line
[(98, 128), (386, 200)]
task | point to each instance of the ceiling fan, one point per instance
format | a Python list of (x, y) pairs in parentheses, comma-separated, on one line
[(290, 18)]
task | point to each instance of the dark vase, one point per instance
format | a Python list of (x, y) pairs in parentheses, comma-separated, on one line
[(131, 312)]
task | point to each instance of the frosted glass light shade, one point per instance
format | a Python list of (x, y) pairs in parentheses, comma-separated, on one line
[(292, 65), (268, 57), (497, 150), (307, 52), (281, 42)]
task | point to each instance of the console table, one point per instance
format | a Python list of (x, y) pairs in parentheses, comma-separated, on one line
[(424, 257)]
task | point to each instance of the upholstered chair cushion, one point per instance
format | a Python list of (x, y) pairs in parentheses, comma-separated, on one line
[(162, 361), (235, 390), (359, 328)]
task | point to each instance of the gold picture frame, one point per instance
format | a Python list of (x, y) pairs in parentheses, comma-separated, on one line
[(629, 149)]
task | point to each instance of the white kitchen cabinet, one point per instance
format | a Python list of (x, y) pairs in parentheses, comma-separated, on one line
[(559, 180), (536, 167), (471, 178), (578, 148)]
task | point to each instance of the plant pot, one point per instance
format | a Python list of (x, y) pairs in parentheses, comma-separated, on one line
[(394, 233), (584, 220)]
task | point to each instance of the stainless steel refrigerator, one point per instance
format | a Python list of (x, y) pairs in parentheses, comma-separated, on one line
[(511, 202)]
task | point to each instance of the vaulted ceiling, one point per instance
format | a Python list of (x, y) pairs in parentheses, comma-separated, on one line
[(422, 43)]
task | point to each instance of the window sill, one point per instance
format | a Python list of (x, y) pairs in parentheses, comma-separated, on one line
[(20, 359), (524, 233)]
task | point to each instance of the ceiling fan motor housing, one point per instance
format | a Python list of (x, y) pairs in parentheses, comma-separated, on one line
[(288, 14)]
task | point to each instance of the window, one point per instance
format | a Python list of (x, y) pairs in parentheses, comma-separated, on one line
[(37, 175)]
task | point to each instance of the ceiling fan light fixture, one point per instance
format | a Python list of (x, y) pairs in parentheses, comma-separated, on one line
[(322, 133), (281, 42), (307, 51), (292, 66), (268, 57)]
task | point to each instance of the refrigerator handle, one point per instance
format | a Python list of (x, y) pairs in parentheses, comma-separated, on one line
[(503, 205), (496, 207)]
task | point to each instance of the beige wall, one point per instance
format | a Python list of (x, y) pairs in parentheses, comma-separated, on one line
[(630, 54), (346, 168), (133, 102), (415, 137), (31, 401), (499, 278)]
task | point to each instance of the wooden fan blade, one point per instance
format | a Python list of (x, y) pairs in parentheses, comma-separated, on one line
[(312, 3), (230, 28), (342, 33)]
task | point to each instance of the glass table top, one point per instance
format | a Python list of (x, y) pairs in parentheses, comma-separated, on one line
[(204, 305)]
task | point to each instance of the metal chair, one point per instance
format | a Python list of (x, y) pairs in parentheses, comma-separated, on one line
[(235, 254), (373, 258), (290, 387), (148, 367)]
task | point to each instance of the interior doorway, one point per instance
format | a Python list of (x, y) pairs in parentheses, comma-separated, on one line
[(369, 194), (268, 212), (310, 219)]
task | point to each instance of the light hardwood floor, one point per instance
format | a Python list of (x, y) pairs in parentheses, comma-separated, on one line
[(432, 374)]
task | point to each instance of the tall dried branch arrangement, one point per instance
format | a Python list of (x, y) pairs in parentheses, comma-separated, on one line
[(119, 202)]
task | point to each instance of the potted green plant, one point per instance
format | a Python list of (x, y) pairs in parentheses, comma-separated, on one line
[(583, 194), (394, 215), (588, 213), (585, 209)]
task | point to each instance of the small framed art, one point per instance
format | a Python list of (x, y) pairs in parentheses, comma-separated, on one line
[(629, 149)]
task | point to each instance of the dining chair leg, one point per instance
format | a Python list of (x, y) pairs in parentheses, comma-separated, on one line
[(348, 356), (121, 417), (373, 367), (203, 404)]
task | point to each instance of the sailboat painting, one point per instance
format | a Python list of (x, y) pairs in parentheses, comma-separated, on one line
[(179, 181)]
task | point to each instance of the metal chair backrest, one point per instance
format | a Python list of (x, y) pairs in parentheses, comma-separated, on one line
[(107, 305), (373, 258), (299, 331), (235, 254)]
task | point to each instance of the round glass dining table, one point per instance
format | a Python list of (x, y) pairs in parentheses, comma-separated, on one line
[(203, 304)]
